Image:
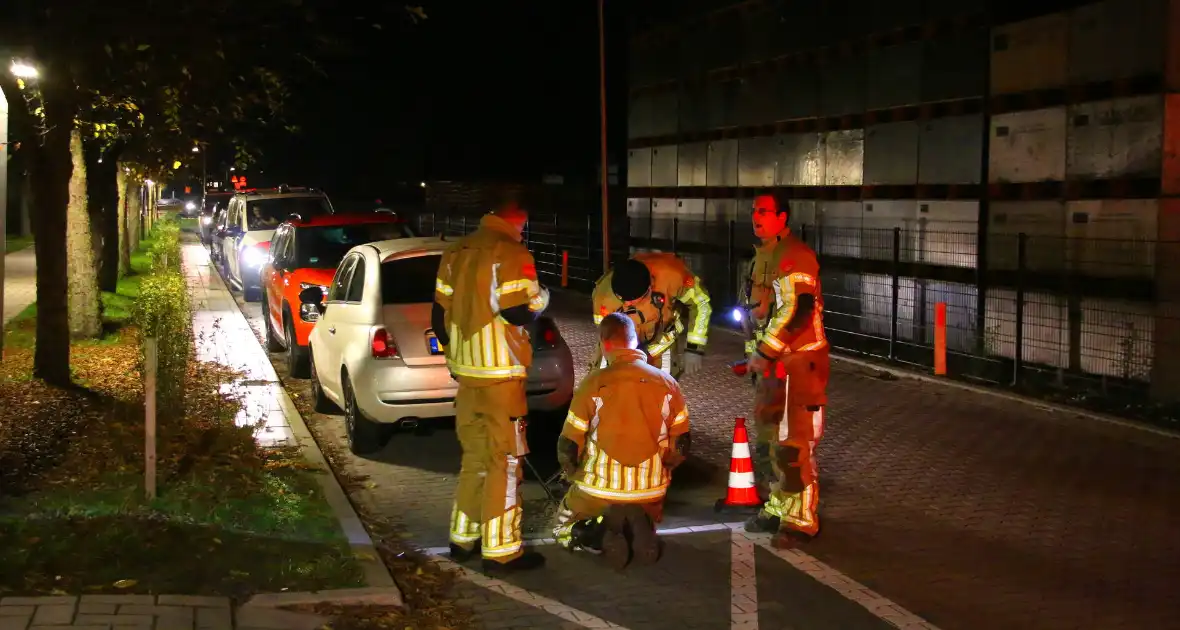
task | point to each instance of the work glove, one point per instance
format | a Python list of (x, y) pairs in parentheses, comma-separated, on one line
[(693, 362)]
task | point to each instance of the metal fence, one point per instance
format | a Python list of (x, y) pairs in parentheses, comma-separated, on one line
[(1082, 320)]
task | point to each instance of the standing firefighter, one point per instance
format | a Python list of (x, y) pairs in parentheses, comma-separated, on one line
[(789, 358), (626, 430), (658, 292), (486, 293)]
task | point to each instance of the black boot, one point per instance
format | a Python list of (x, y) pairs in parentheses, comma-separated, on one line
[(645, 543), (527, 561), (616, 547), (587, 535), (461, 555), (762, 523)]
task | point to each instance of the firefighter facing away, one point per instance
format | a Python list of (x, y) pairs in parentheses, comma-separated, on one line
[(486, 292), (658, 292), (626, 430), (788, 355)]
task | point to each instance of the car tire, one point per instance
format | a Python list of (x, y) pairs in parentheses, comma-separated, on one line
[(364, 435), (296, 354), (250, 295), (273, 344), (320, 402)]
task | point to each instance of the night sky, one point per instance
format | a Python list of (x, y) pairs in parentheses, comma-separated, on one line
[(505, 90)]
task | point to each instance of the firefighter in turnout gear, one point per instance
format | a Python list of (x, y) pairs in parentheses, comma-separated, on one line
[(788, 356), (668, 304), (626, 430), (485, 294)]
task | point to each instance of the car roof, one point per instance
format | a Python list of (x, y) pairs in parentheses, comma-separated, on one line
[(422, 244), (345, 218)]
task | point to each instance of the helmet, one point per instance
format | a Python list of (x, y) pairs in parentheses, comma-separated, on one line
[(631, 280)]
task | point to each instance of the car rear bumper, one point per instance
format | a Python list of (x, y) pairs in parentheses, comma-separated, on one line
[(392, 392)]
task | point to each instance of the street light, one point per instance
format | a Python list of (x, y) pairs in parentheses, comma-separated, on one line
[(602, 134), (204, 169), (22, 70)]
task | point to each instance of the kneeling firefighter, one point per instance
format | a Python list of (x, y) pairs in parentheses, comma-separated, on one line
[(658, 292), (627, 429)]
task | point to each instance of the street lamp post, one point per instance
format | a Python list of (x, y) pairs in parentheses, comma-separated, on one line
[(204, 161), (602, 132), (27, 72)]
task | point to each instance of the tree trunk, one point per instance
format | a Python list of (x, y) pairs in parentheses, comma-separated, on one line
[(51, 192), (85, 300), (104, 198), (123, 184), (134, 216), (26, 203)]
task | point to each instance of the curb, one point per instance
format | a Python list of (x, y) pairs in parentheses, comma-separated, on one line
[(364, 551), (1003, 395)]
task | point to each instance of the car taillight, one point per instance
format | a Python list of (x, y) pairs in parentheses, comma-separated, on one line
[(547, 335), (384, 346)]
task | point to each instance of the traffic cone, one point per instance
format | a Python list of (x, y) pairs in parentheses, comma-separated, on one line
[(741, 494)]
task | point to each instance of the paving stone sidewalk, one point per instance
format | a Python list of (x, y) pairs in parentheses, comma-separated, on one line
[(103, 612)]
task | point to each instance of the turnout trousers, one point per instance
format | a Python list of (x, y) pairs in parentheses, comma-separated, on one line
[(490, 421), (785, 464)]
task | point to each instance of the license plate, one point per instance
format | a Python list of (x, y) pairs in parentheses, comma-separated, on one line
[(435, 346)]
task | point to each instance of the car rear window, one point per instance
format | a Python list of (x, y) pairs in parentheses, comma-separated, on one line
[(267, 214), (409, 280), (325, 246)]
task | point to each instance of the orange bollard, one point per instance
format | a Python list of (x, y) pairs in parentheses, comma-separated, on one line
[(940, 338), (565, 268)]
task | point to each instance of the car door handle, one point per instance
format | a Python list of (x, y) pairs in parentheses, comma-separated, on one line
[(332, 330)]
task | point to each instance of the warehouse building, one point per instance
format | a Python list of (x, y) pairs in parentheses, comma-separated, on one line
[(1017, 166)]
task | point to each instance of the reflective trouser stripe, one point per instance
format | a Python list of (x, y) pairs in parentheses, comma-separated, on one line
[(464, 530), (796, 510)]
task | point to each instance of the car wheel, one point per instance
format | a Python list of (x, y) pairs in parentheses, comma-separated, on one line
[(272, 341), (296, 354), (364, 435), (320, 402), (248, 294)]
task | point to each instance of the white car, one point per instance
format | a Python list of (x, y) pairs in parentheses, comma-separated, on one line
[(251, 221), (374, 355)]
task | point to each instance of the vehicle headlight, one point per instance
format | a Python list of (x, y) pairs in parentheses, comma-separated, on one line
[(190, 206), (206, 220), (253, 257)]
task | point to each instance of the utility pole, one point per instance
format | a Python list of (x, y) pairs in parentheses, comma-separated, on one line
[(602, 117)]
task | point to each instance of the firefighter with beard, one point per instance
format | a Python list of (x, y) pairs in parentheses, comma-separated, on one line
[(788, 356)]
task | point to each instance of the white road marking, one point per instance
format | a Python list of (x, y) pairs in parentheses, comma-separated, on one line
[(675, 531), (852, 590), (743, 583), (553, 607)]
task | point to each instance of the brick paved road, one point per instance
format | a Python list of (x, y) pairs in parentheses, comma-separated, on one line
[(971, 511), (20, 282)]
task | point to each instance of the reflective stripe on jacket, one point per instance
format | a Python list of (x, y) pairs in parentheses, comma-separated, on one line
[(785, 268), (625, 419), (479, 276)]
